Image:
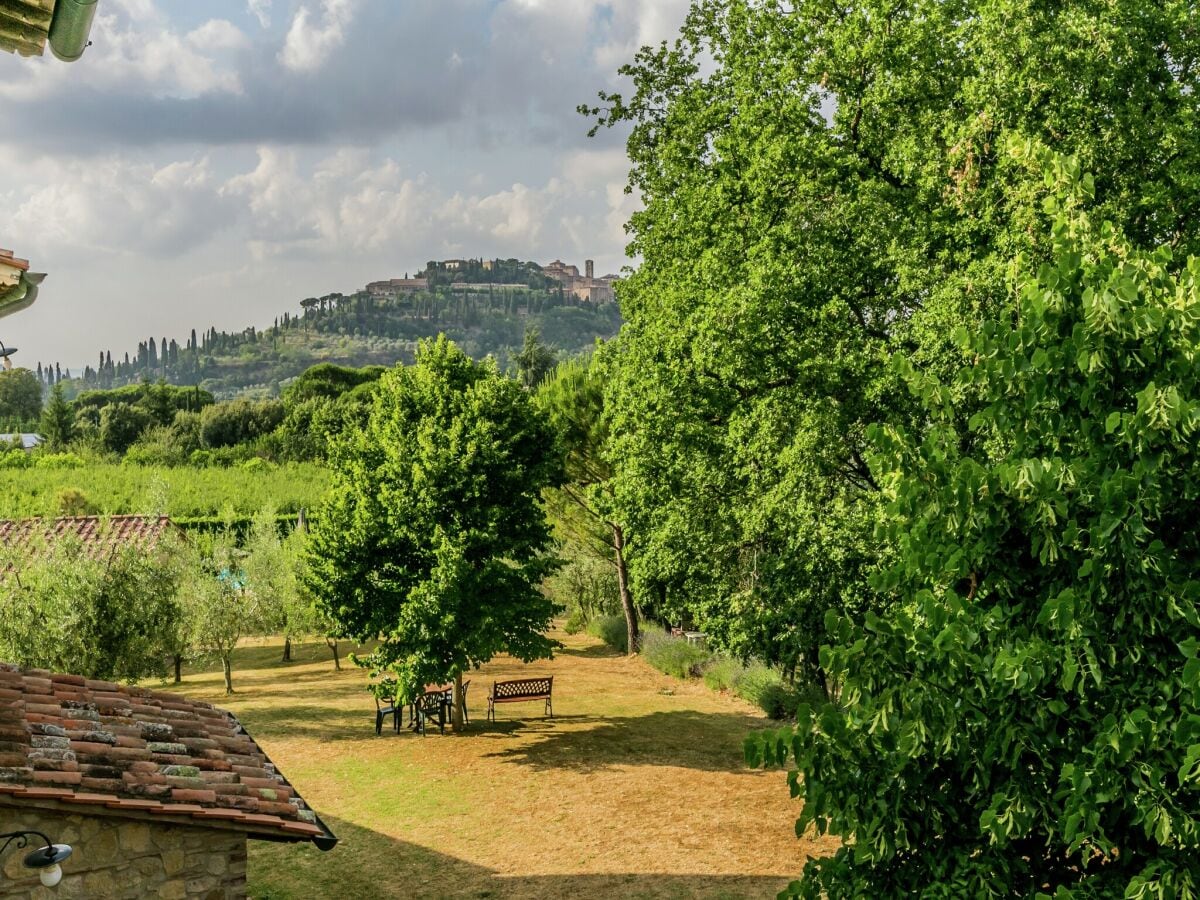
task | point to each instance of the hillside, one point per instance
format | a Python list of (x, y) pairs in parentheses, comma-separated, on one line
[(364, 328)]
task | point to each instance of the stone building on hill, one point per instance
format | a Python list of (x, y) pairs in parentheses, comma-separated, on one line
[(156, 794), (394, 287), (587, 287)]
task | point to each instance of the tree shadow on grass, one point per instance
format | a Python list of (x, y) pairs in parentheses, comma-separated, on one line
[(337, 723), (369, 864), (321, 723), (709, 742), (592, 651)]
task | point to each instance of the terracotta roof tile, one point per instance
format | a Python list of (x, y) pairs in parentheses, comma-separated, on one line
[(95, 743), (100, 535)]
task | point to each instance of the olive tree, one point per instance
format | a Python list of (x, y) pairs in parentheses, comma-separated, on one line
[(222, 609), (111, 615)]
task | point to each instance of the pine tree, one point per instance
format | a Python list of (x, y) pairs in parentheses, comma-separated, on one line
[(58, 419)]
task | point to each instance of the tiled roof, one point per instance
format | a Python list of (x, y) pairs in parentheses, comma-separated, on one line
[(25, 25), (113, 750), (6, 256), (99, 534)]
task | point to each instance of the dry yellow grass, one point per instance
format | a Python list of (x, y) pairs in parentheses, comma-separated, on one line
[(636, 789)]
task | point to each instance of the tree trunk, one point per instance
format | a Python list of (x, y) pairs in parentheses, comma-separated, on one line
[(456, 717), (228, 674), (178, 667), (631, 622), (333, 645), (287, 649)]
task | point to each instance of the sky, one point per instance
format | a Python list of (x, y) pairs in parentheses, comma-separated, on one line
[(213, 163)]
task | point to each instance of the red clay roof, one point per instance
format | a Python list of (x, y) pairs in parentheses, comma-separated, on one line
[(6, 256), (114, 749), (99, 534)]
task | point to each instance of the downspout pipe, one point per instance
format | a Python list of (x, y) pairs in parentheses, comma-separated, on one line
[(21, 295), (71, 27)]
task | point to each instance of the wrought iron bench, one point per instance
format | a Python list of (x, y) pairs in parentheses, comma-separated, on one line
[(518, 691)]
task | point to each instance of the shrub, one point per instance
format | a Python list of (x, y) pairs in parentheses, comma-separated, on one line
[(239, 421), (723, 673), (767, 689), (14, 459), (611, 630), (672, 655), (575, 622), (58, 461), (74, 502), (121, 424)]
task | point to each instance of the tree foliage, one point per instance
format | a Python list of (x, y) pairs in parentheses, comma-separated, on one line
[(536, 361), (20, 396), (104, 617), (329, 382), (121, 424), (582, 508), (272, 567), (433, 539), (221, 608), (239, 421), (1025, 719), (823, 187), (58, 419)]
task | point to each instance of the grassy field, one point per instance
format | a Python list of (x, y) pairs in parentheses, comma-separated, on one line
[(635, 790), (183, 493)]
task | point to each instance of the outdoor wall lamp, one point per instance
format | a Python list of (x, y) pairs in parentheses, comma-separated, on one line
[(45, 859)]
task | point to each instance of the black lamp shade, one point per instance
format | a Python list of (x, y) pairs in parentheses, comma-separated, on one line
[(44, 857)]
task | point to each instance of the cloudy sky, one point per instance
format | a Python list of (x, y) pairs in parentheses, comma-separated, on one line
[(215, 162)]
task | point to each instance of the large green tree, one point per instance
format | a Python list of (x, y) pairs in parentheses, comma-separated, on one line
[(823, 188), (434, 540), (1025, 720)]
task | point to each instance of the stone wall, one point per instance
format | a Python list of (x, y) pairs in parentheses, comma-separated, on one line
[(119, 858)]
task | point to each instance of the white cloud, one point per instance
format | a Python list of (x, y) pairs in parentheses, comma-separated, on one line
[(218, 34), (309, 43), (136, 49), (261, 10), (345, 205), (109, 206)]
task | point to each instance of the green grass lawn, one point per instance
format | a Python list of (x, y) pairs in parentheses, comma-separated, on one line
[(635, 789)]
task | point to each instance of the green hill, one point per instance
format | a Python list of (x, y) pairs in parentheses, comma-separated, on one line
[(356, 330)]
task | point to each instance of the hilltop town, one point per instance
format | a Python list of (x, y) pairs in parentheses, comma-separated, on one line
[(486, 275), (486, 305)]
